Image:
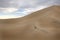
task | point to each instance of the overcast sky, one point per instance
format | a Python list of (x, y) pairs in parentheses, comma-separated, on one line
[(16, 8)]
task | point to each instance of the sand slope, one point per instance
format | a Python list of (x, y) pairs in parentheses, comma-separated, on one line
[(41, 25)]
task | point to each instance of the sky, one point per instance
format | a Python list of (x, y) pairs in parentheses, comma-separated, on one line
[(20, 8)]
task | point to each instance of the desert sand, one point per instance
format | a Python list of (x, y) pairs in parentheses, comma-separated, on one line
[(40, 25)]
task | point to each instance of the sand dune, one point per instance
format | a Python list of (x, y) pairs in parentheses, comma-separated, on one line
[(41, 25)]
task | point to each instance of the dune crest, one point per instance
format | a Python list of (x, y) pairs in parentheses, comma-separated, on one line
[(41, 25)]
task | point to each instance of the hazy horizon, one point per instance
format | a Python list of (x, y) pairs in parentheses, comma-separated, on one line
[(20, 8)]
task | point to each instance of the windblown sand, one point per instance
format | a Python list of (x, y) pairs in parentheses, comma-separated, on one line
[(41, 25)]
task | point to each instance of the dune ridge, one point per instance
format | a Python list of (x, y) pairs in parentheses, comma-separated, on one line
[(40, 25)]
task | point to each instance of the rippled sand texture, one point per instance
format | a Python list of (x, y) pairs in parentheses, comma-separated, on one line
[(40, 25)]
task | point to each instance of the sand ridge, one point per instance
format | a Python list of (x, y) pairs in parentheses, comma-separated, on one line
[(40, 25)]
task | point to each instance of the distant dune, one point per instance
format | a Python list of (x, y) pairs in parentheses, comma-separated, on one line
[(40, 25)]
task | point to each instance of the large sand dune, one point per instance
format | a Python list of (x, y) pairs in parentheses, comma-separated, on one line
[(41, 25)]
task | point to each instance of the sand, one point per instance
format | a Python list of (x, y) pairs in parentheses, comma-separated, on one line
[(40, 25)]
